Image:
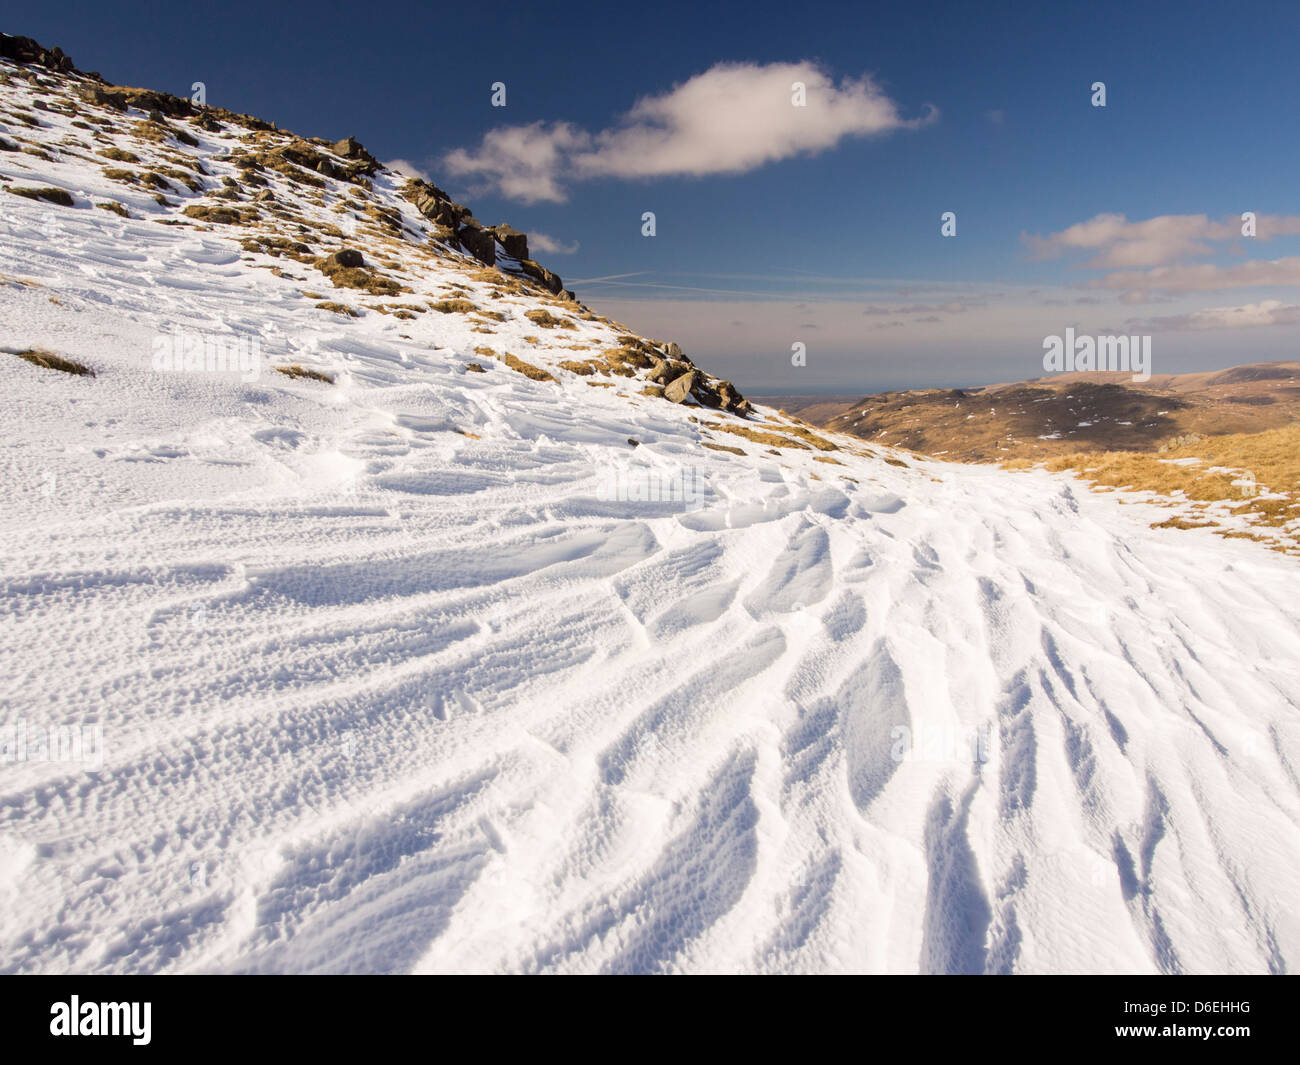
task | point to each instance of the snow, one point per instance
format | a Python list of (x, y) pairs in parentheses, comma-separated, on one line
[(380, 695)]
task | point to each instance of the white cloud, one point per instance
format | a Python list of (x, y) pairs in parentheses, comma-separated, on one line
[(522, 162), (732, 118), (550, 245), (408, 169)]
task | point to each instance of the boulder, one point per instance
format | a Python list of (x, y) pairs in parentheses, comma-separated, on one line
[(663, 371), (478, 241), (514, 242), (347, 259), (672, 350), (680, 388)]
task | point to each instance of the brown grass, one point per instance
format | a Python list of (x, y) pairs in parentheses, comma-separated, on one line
[(547, 320), (339, 308), (49, 361), (454, 306), (301, 371), (533, 373), (1250, 476)]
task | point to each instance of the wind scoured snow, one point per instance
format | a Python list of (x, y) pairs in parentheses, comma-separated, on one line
[(378, 695)]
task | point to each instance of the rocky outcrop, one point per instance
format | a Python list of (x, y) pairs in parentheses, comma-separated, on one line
[(682, 380), (514, 243), (549, 281), (25, 50), (478, 241)]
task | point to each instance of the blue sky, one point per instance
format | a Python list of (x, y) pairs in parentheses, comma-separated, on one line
[(822, 229)]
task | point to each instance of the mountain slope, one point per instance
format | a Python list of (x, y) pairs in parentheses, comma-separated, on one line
[(528, 669), (1066, 413)]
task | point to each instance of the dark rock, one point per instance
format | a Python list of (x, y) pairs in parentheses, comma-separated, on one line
[(706, 396), (551, 282), (347, 258), (478, 241), (514, 242), (27, 51)]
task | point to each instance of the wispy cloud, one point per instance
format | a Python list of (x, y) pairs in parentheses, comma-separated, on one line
[(1202, 277), (1266, 312), (1119, 244), (733, 118)]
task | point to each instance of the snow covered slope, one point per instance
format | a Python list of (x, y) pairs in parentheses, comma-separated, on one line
[(431, 669)]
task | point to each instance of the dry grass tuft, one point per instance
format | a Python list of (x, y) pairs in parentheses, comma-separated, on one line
[(49, 361), (301, 371)]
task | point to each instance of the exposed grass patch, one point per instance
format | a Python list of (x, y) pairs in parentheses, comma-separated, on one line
[(339, 308), (1250, 479), (760, 436), (119, 155), (456, 306), (533, 373), (49, 361), (297, 371), (547, 320), (50, 195)]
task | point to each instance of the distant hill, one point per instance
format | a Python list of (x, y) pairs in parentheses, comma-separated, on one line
[(1045, 417)]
